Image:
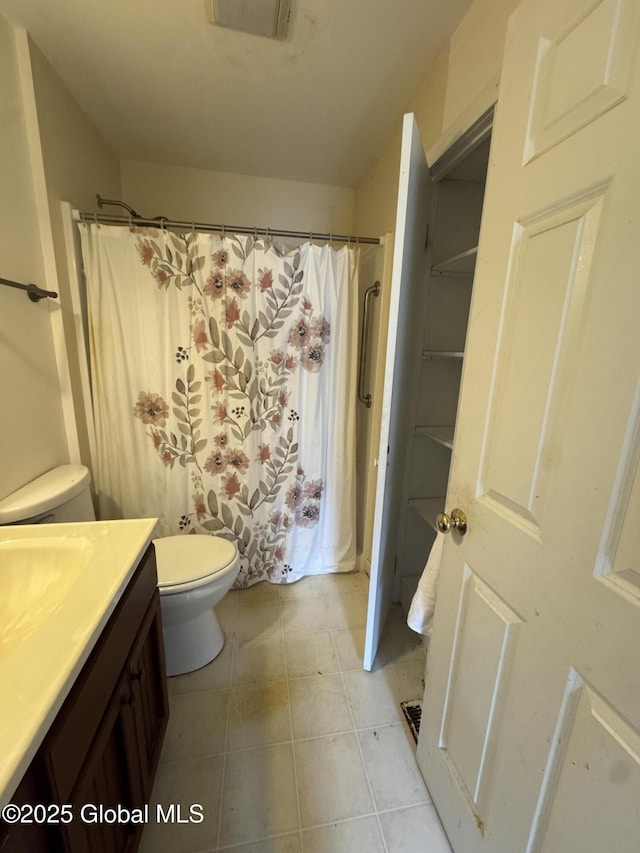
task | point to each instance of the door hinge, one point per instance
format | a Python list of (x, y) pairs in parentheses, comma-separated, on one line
[(395, 565), (426, 237)]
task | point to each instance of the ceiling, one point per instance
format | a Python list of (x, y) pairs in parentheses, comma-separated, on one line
[(164, 85)]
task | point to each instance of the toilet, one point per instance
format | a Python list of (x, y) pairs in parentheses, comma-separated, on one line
[(194, 571)]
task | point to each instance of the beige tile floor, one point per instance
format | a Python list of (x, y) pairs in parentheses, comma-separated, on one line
[(286, 743)]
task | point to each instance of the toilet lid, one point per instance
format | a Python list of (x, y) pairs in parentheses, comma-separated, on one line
[(182, 559)]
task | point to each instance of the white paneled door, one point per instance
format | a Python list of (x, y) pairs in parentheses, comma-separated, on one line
[(402, 364), (530, 734)]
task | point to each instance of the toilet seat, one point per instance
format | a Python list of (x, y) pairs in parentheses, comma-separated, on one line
[(187, 562)]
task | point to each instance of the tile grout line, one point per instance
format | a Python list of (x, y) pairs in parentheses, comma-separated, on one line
[(235, 610), (242, 844), (337, 822), (293, 751), (271, 680), (226, 732), (364, 765), (368, 728)]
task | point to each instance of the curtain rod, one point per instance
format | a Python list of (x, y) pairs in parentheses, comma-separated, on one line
[(162, 222)]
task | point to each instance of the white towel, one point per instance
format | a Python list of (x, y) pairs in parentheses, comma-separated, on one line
[(420, 616)]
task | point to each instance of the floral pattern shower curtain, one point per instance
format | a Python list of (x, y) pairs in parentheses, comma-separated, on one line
[(223, 379)]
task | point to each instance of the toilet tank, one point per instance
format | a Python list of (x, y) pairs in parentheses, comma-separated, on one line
[(61, 494)]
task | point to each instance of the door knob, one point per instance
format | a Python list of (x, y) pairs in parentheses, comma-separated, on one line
[(456, 521)]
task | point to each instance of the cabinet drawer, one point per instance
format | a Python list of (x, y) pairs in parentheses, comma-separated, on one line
[(77, 723)]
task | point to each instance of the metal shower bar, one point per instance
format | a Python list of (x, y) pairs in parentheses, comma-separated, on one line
[(34, 292), (374, 290), (161, 222)]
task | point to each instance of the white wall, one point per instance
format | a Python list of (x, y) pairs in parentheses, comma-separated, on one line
[(224, 198), (377, 192), (32, 431), (462, 72), (475, 54), (76, 164)]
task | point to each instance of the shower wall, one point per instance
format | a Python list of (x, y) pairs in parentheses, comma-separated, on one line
[(182, 193)]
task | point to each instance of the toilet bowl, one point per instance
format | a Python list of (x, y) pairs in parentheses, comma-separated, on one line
[(194, 572)]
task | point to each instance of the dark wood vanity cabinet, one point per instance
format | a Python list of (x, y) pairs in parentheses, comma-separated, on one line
[(149, 694), (103, 748), (111, 778)]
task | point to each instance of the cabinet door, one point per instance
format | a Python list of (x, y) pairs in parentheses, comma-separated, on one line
[(110, 778), (30, 837), (71, 737), (149, 685)]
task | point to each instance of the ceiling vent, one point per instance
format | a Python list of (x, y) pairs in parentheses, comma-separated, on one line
[(259, 17)]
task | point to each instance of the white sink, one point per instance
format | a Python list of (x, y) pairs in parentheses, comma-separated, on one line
[(36, 575), (59, 583)]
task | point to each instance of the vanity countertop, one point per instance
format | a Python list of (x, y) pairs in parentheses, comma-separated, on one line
[(59, 584)]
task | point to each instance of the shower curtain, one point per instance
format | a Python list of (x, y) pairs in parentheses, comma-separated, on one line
[(223, 374)]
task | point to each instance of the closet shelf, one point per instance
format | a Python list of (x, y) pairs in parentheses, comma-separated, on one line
[(464, 263), (427, 509), (442, 434), (432, 353)]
